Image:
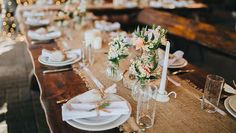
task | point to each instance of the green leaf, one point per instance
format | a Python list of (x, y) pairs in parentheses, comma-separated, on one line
[(114, 60), (122, 56), (152, 77), (154, 26), (104, 105), (136, 69)]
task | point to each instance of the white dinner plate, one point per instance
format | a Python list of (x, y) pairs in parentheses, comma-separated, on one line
[(232, 102), (71, 60), (180, 63), (100, 120), (228, 108), (97, 120), (185, 63), (120, 120)]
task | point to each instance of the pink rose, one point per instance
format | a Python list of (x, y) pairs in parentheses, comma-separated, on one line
[(139, 43)]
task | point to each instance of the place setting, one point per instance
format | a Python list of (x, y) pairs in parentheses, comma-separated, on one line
[(176, 59), (230, 101), (59, 58), (37, 22), (44, 35), (96, 110)]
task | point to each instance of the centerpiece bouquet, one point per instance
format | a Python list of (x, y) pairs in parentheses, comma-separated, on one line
[(145, 67), (147, 41), (118, 50), (75, 9)]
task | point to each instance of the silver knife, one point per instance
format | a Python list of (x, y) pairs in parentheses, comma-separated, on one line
[(56, 70)]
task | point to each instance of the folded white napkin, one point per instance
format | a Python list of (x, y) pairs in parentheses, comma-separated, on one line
[(107, 26), (36, 21), (176, 56), (36, 35), (33, 14), (155, 4), (93, 95), (53, 55), (130, 4), (58, 55), (180, 3), (80, 105), (81, 110), (173, 58), (44, 2)]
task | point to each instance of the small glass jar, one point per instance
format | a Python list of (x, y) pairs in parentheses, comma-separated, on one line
[(114, 73)]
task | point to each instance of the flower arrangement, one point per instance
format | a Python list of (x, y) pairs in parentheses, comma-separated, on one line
[(75, 9), (149, 39), (118, 50), (144, 68)]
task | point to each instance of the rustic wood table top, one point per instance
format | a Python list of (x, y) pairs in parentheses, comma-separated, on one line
[(182, 114)]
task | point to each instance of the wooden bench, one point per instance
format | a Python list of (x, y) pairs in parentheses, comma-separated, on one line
[(204, 34)]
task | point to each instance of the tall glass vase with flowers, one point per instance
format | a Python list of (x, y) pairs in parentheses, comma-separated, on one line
[(145, 69)]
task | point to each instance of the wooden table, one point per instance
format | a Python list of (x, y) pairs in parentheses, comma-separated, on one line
[(182, 114)]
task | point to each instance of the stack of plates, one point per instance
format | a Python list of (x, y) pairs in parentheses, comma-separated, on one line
[(180, 63), (71, 59), (100, 123), (230, 105)]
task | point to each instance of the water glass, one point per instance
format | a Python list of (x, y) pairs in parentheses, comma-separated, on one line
[(146, 107), (212, 92), (87, 54), (90, 54)]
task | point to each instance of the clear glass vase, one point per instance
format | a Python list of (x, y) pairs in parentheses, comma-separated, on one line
[(144, 85), (146, 106), (114, 73)]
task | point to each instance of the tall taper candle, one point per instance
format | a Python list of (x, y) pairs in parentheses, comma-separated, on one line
[(164, 70)]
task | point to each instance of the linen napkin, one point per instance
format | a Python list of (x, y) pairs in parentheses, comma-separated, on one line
[(33, 14), (83, 105), (82, 110), (58, 55), (36, 35), (176, 56), (173, 57), (131, 4), (54, 56), (155, 4), (107, 26), (36, 21)]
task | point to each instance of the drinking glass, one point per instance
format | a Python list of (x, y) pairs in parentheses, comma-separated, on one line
[(146, 106), (212, 92), (87, 54), (90, 54)]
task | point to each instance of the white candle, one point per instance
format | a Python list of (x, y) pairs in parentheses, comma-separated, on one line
[(97, 43), (164, 70)]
